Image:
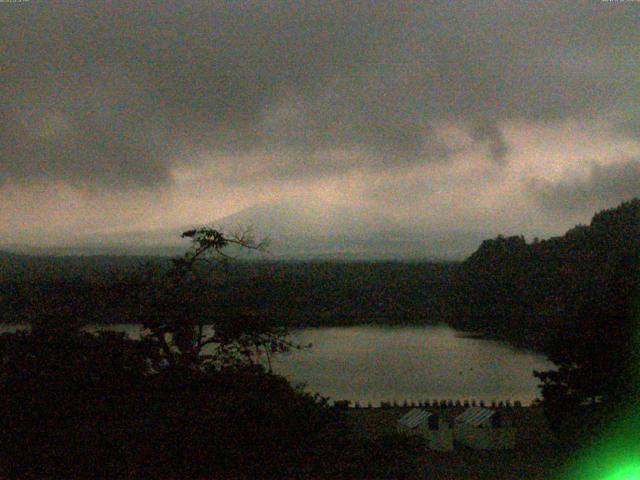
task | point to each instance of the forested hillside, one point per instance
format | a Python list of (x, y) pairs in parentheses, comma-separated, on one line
[(508, 289), (105, 289), (527, 293)]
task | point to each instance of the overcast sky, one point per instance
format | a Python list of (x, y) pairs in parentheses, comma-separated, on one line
[(506, 116)]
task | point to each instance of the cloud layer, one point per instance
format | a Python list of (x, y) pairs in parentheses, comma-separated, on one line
[(115, 94), (603, 187), (443, 113)]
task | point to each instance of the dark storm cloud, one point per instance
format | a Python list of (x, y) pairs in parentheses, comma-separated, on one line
[(605, 186), (490, 133), (115, 93)]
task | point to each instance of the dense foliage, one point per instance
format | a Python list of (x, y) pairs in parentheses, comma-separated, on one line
[(74, 404), (180, 402), (294, 293), (529, 293), (576, 298)]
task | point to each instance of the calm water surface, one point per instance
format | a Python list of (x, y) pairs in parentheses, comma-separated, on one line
[(370, 363), (373, 364)]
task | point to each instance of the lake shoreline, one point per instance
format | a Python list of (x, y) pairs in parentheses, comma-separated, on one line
[(534, 347), (374, 364)]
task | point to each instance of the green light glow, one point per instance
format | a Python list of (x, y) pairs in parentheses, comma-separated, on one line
[(615, 455), (627, 472)]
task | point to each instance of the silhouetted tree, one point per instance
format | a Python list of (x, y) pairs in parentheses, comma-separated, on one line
[(67, 400), (187, 400), (596, 350), (184, 317)]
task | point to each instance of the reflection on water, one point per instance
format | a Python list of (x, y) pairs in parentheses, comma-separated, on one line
[(373, 364)]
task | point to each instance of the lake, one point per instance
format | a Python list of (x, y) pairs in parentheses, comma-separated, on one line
[(418, 363), (373, 363)]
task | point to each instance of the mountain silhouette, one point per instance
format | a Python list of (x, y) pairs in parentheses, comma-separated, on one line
[(298, 228), (303, 228)]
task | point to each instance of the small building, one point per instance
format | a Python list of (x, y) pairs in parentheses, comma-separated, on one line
[(437, 433), (483, 429)]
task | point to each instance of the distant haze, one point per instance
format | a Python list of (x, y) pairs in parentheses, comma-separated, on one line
[(295, 229), (362, 128)]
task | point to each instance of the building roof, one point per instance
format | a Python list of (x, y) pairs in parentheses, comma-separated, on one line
[(414, 418), (474, 416)]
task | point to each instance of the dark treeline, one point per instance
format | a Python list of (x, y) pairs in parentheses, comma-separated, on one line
[(577, 298), (332, 294), (179, 402), (508, 289), (76, 404), (528, 293), (103, 289), (80, 405)]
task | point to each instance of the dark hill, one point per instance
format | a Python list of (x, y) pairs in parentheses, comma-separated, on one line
[(524, 292)]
